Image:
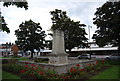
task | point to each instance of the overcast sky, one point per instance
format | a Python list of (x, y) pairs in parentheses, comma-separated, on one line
[(78, 10)]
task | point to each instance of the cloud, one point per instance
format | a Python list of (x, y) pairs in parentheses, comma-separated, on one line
[(39, 12)]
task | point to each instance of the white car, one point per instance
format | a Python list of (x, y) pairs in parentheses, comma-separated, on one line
[(115, 56), (20, 55), (84, 56)]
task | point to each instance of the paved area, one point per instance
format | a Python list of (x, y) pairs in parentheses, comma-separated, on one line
[(70, 59), (75, 59)]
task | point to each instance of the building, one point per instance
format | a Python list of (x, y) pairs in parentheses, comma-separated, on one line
[(5, 49), (93, 49), (14, 50), (8, 49)]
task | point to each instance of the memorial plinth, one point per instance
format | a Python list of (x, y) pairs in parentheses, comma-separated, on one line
[(58, 55)]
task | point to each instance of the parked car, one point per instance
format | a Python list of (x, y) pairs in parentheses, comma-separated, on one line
[(20, 55), (84, 56), (115, 56)]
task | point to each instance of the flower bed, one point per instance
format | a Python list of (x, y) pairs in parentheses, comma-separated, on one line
[(32, 71)]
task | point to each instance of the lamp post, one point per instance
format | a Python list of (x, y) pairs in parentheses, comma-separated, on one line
[(89, 31), (0, 20), (89, 35)]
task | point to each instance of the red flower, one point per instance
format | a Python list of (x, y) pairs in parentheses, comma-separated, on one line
[(26, 66), (22, 71), (26, 62), (103, 61), (33, 68), (32, 75), (82, 69), (33, 65), (92, 70), (36, 68), (88, 64), (40, 73), (96, 62), (66, 77), (42, 66), (93, 64), (73, 70), (78, 65)]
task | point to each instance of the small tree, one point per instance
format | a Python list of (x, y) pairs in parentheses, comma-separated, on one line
[(73, 31), (30, 36)]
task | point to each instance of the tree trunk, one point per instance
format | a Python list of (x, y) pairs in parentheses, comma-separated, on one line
[(119, 45), (32, 53), (69, 50), (15, 54)]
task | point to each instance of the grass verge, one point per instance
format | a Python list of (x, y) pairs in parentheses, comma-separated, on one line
[(111, 73), (6, 76)]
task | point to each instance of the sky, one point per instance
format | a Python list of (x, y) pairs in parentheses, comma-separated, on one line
[(38, 11)]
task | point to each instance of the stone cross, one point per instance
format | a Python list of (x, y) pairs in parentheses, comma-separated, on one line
[(58, 55)]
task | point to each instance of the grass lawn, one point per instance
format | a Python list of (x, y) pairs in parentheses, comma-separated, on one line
[(23, 58), (111, 73), (6, 76), (41, 60), (19, 58)]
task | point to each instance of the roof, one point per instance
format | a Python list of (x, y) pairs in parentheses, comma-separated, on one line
[(89, 49), (96, 49)]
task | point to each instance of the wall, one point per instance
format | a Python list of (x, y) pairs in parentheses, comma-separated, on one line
[(60, 68)]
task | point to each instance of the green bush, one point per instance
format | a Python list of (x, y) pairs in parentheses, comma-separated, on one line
[(42, 60), (4, 61)]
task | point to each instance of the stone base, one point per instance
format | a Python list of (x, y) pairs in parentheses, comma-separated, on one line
[(62, 68), (58, 58)]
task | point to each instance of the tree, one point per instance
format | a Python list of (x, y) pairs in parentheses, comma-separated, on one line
[(30, 36), (107, 21), (20, 4), (73, 31), (3, 25)]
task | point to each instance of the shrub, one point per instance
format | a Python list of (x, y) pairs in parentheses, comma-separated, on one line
[(4, 61), (43, 60)]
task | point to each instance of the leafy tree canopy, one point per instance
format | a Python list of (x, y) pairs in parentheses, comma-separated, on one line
[(30, 36), (107, 21), (7, 3), (73, 31), (20, 4), (3, 25)]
